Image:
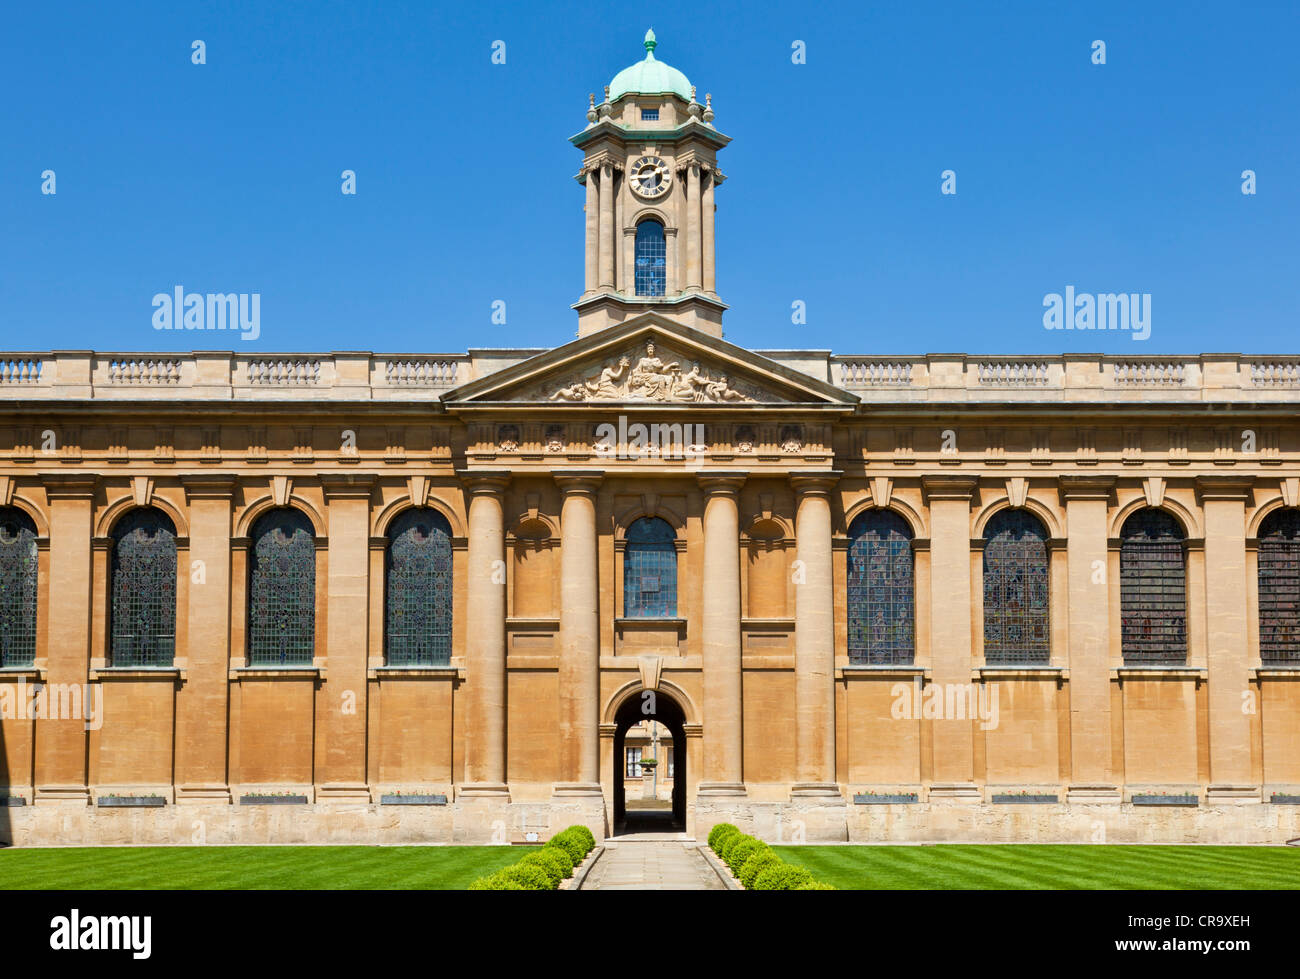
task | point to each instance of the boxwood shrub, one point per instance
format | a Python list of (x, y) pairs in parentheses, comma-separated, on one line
[(553, 873), (495, 882), (571, 844), (758, 861), (782, 877), (718, 834), (542, 869), (738, 853), (558, 857)]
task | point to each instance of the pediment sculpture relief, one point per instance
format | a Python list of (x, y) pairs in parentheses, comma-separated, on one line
[(651, 379)]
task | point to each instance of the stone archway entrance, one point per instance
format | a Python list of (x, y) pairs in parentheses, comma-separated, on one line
[(650, 717)]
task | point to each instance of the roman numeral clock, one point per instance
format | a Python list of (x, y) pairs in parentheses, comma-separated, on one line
[(650, 177)]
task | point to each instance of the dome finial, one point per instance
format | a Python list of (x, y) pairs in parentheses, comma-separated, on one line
[(650, 43)]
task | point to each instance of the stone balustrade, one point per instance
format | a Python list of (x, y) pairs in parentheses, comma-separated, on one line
[(348, 376), (225, 376)]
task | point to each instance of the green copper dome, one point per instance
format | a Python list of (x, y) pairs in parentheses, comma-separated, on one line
[(650, 77)]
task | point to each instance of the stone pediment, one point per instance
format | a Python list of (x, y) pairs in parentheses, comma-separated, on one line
[(649, 361)]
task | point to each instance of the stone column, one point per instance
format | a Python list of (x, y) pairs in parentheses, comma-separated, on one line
[(61, 740), (706, 234), (720, 635), (347, 638), (607, 229), (201, 743), (1087, 502), (814, 641), (593, 236), (579, 636), (949, 500), (693, 226), (1223, 500), (485, 637), (672, 249)]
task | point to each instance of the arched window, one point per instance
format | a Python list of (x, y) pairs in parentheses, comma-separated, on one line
[(282, 590), (142, 611), (882, 608), (1153, 589), (17, 588), (1279, 588), (650, 570), (1015, 589), (417, 625), (651, 268)]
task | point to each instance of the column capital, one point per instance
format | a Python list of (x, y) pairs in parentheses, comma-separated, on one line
[(70, 486), (209, 486), (1085, 487), (347, 485), (815, 483), (1225, 487), (945, 487), (717, 483), (578, 480), (484, 481)]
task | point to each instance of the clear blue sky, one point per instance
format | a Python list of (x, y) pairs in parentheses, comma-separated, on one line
[(226, 177)]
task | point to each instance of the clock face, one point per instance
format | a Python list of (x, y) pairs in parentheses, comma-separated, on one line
[(650, 177)]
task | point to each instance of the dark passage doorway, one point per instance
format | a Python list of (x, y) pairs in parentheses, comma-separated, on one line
[(649, 765)]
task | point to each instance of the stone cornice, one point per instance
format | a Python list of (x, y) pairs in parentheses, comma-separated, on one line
[(70, 486), (948, 487), (1085, 487), (484, 481), (209, 486), (815, 483), (1234, 487), (578, 481), (347, 485), (722, 482)]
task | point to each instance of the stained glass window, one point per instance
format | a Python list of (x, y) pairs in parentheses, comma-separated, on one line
[(17, 588), (882, 609), (1015, 589), (1153, 589), (282, 590), (650, 570), (651, 270), (142, 613), (417, 627), (1279, 589)]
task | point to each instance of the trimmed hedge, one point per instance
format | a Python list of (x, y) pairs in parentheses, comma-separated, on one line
[(542, 869), (756, 865), (741, 851), (759, 861), (720, 833)]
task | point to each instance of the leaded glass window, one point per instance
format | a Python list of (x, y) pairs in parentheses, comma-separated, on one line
[(1153, 589), (650, 570), (282, 590), (1279, 589), (417, 625), (882, 608), (142, 611), (17, 588), (1015, 589), (651, 268)]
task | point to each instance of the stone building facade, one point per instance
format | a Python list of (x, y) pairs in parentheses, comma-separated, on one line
[(833, 578)]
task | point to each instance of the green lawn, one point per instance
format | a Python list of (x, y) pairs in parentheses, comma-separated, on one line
[(251, 867), (1046, 867)]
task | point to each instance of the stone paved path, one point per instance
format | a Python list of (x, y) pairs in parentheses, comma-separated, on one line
[(637, 865)]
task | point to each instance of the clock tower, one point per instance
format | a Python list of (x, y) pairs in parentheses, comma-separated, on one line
[(650, 170)]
